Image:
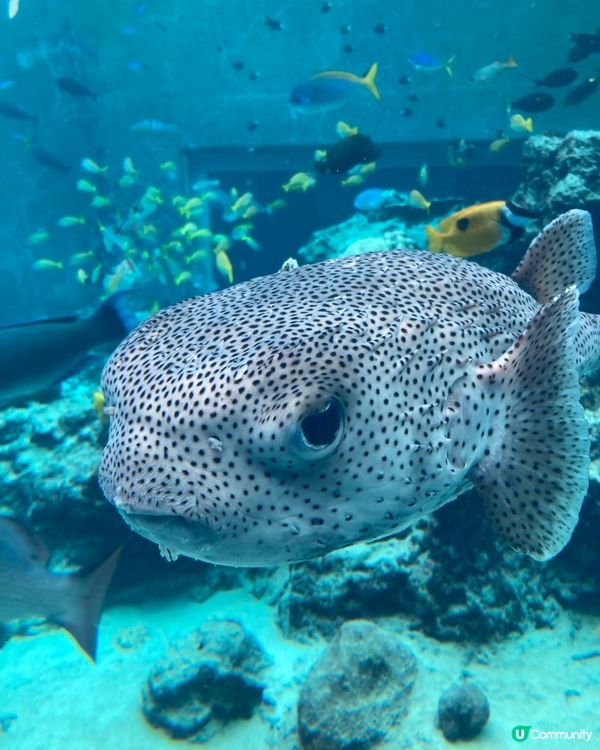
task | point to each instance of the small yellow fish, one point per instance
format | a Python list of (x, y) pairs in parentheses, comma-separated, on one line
[(47, 264), (498, 144), (126, 180), (418, 200), (96, 273), (178, 200), (223, 265), (521, 124), (152, 195), (299, 181), (128, 167), (173, 246), (196, 255), (190, 206), (168, 166), (154, 307), (276, 205), (250, 212), (82, 276), (100, 201), (251, 242), (70, 221), (182, 277), (81, 257), (86, 186), (242, 202), (423, 175), (354, 179), (240, 231), (222, 245), (320, 154), (344, 130), (367, 169), (91, 166), (98, 404), (203, 234), (185, 230), (148, 229), (38, 237)]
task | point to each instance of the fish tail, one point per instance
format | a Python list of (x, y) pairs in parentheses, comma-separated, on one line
[(528, 123), (434, 239), (81, 615), (448, 65), (112, 320), (369, 81), (511, 62), (533, 472)]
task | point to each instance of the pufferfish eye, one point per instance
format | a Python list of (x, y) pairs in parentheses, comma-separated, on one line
[(318, 433)]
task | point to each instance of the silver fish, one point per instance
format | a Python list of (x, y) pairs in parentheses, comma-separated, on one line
[(28, 590), (305, 411)]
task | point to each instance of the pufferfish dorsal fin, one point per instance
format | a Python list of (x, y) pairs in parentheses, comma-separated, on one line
[(534, 473), (562, 255)]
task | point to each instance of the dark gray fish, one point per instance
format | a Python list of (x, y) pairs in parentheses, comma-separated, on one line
[(558, 78), (540, 101), (582, 90), (302, 412), (584, 45), (38, 354), (29, 590), (49, 160), (75, 88), (14, 112), (347, 153)]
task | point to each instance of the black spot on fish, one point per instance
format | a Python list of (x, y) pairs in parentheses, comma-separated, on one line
[(462, 224)]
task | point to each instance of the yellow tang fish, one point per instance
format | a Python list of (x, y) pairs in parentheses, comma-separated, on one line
[(344, 130), (299, 181), (418, 200), (480, 228), (521, 124), (46, 264), (354, 179), (224, 266)]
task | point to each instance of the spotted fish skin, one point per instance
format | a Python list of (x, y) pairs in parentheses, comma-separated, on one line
[(305, 411)]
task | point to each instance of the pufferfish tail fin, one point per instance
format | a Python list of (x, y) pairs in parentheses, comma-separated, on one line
[(434, 239), (563, 254), (533, 475)]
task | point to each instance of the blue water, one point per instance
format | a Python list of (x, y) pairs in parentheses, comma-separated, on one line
[(146, 147)]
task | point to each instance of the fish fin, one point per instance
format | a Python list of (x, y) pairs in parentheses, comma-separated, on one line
[(563, 254), (41, 321), (23, 544), (86, 595), (534, 474), (448, 65), (434, 239), (112, 318), (511, 62), (369, 81)]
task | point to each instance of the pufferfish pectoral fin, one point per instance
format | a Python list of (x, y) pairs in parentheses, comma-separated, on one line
[(534, 474), (563, 254)]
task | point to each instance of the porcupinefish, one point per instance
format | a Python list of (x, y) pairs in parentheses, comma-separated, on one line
[(298, 413)]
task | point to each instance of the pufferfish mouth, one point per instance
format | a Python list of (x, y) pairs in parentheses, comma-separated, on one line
[(172, 531)]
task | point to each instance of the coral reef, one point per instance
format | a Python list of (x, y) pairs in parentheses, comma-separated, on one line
[(560, 173), (357, 691), (208, 680), (359, 235), (463, 711)]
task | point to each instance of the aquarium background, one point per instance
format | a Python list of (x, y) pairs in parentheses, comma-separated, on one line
[(190, 98)]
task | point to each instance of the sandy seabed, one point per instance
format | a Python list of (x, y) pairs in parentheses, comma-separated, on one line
[(63, 702)]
